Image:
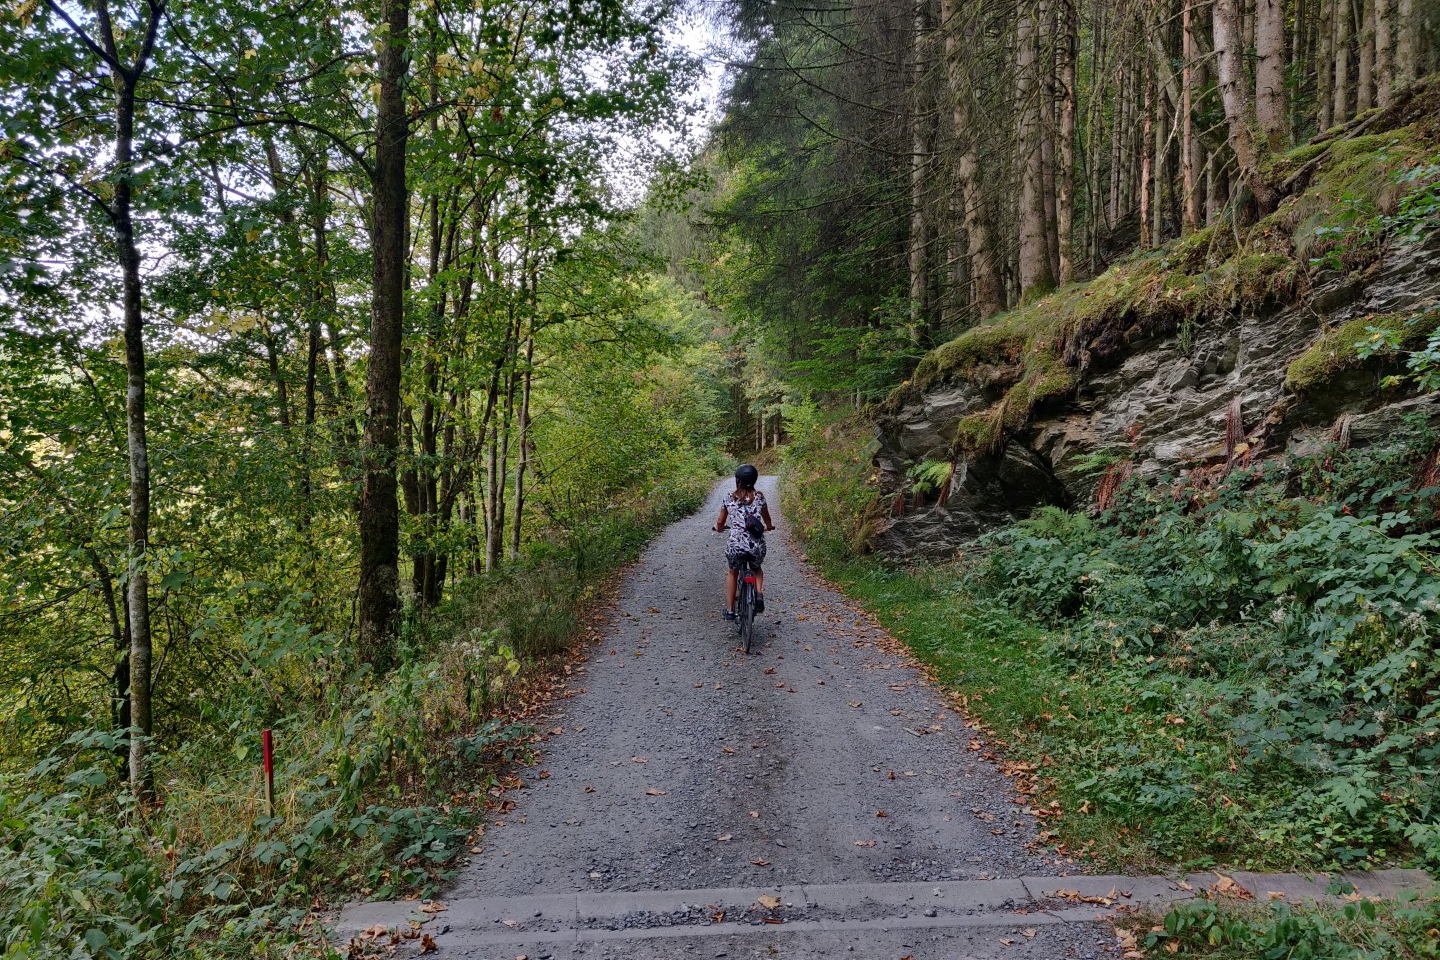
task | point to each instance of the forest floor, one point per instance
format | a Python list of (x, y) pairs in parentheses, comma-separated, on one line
[(817, 797)]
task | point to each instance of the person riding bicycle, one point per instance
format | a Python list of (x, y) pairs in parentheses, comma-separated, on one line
[(743, 504)]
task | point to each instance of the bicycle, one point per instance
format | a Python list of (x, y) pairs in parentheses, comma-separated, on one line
[(745, 603)]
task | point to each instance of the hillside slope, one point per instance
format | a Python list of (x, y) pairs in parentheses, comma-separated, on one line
[(1226, 346)]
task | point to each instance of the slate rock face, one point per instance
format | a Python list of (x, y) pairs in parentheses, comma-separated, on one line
[(1165, 403)]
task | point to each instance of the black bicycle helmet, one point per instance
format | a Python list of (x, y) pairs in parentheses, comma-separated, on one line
[(745, 476)]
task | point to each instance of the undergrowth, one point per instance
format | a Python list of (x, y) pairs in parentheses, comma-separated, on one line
[(1407, 929), (380, 783)]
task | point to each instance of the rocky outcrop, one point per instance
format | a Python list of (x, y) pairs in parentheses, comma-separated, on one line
[(1162, 401)]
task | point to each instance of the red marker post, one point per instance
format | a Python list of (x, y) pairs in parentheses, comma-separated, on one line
[(268, 743)]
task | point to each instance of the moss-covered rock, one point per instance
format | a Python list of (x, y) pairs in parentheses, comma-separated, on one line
[(1338, 350), (1226, 340), (1043, 350)]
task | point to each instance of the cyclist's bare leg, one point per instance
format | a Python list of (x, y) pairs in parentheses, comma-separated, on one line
[(759, 580), (731, 579)]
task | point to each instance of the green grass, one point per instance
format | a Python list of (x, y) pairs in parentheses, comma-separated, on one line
[(1088, 732)]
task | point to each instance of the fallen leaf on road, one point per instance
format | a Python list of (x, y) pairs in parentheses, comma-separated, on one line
[(1227, 887), (654, 793), (1027, 933), (718, 916), (434, 906), (725, 838), (1075, 896), (589, 789), (760, 862), (771, 920), (754, 813), (881, 813), (856, 703), (768, 902), (428, 944), (378, 930), (1130, 947), (1008, 941), (727, 750), (512, 924), (864, 843), (769, 670), (638, 760)]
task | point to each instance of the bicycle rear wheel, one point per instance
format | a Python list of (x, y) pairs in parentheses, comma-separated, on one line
[(746, 610)]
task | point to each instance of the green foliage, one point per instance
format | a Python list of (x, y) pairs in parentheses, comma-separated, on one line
[(827, 490), (1417, 337), (1304, 628), (929, 476), (1360, 930)]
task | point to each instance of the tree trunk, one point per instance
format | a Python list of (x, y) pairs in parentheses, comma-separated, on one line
[(1341, 111), (1270, 108), (1239, 111), (1065, 155), (919, 226), (1324, 66), (1117, 136), (522, 449), (379, 605), (493, 485), (125, 80), (1148, 236), (138, 578), (1384, 52), (1365, 81), (1045, 61), (1407, 42), (1217, 187), (1192, 153), (988, 296), (1035, 274)]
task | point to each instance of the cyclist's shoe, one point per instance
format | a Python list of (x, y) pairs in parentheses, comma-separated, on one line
[(729, 614), (759, 603)]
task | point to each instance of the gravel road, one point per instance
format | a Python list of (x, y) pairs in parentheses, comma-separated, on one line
[(823, 757)]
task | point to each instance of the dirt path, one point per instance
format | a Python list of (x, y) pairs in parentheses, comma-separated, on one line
[(820, 761)]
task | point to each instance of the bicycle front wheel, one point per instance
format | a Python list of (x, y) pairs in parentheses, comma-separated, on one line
[(747, 615)]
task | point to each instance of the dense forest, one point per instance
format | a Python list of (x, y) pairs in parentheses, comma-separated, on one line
[(895, 172), (334, 371)]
